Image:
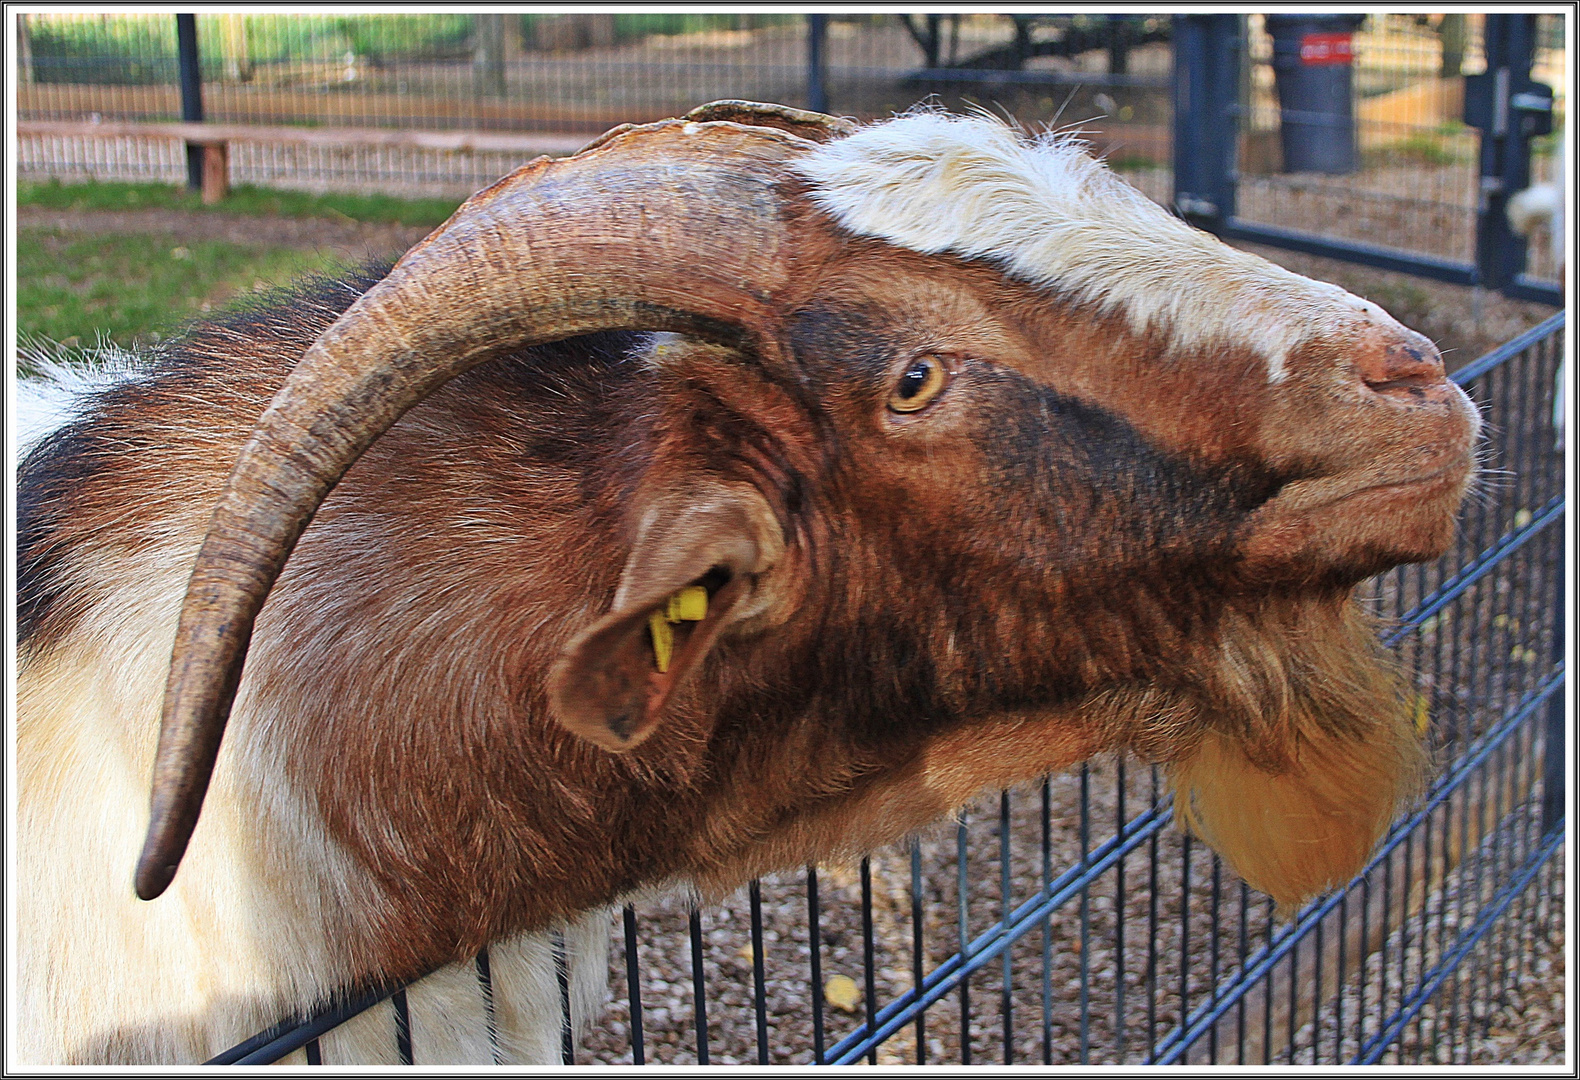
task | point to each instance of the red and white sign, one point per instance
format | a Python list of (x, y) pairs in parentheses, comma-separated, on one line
[(1325, 50)]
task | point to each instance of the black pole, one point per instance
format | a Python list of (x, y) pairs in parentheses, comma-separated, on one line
[(1509, 108), (816, 62), (1206, 116), (191, 93)]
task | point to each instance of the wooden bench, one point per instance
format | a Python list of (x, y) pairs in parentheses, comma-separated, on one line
[(215, 139)]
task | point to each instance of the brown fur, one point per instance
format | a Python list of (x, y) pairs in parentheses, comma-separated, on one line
[(1083, 545)]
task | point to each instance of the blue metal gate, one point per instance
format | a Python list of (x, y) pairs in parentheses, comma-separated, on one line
[(1424, 171)]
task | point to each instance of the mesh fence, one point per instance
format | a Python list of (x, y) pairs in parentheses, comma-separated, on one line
[(1414, 184), (572, 74)]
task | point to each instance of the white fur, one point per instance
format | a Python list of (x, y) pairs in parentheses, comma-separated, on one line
[(245, 935), (1048, 213), (52, 398), (1542, 205)]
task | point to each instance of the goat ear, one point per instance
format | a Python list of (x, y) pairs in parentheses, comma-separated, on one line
[(607, 685)]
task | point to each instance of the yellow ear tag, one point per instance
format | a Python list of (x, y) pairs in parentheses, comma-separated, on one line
[(688, 605)]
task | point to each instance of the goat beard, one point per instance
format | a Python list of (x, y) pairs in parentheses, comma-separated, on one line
[(1294, 748)]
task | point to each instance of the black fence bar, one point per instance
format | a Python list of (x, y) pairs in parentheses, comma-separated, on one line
[(191, 92), (403, 1047), (1426, 266), (815, 956), (817, 63), (699, 987), (1554, 739), (562, 976), (633, 986), (485, 982), (759, 989), (918, 952), (869, 987)]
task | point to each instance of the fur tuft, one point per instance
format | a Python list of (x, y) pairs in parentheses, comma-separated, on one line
[(1048, 213), (1304, 757), (63, 380)]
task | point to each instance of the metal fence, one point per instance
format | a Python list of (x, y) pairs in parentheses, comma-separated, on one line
[(1419, 177), (1069, 922), (577, 74), (1403, 157)]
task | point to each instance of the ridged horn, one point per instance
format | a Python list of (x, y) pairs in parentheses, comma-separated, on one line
[(679, 225)]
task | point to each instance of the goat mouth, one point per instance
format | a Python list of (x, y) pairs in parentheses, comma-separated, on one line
[(1455, 472), (1356, 525), (1327, 492)]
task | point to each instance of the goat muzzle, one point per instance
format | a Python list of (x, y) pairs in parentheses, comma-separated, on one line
[(1382, 447)]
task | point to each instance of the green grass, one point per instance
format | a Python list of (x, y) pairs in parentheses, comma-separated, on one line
[(1450, 143), (242, 200), (136, 289)]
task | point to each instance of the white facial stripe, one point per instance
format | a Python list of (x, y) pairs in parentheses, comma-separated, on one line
[(1050, 214)]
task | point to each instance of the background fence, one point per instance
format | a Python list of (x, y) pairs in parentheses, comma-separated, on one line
[(1414, 186), (1403, 159), (1068, 922), (577, 74)]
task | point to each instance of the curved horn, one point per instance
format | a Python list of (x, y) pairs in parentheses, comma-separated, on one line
[(678, 226)]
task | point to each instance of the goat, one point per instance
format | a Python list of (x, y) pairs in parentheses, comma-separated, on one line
[(973, 461), (1540, 208)]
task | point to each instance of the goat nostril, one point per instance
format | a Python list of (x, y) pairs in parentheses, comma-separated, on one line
[(1401, 368)]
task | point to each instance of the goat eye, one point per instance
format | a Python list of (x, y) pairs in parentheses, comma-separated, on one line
[(919, 385)]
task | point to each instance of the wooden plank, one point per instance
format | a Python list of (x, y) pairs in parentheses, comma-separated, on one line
[(212, 134), (216, 173), (295, 104)]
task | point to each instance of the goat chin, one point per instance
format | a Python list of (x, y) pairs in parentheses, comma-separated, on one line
[(1296, 790)]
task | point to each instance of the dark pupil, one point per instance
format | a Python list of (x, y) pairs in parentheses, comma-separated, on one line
[(912, 381)]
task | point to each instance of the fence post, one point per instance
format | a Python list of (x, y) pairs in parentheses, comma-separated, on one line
[(1206, 117), (1510, 109), (488, 60), (191, 93), (24, 50), (816, 63)]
